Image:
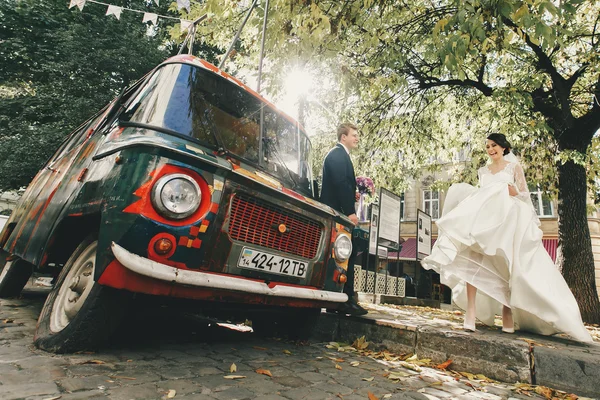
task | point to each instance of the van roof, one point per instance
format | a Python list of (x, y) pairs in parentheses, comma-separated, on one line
[(190, 59)]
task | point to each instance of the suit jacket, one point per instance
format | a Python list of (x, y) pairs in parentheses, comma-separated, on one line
[(339, 183)]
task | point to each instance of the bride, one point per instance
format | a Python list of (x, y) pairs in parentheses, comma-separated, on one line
[(490, 242)]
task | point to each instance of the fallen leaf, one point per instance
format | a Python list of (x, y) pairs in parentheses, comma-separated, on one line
[(124, 377), (360, 343), (289, 353), (336, 359), (524, 386), (129, 360), (259, 348), (8, 321), (233, 368), (410, 366), (469, 376), (338, 367), (372, 396), (412, 358), (368, 379), (394, 376), (444, 365), (387, 396), (355, 363), (93, 362), (53, 398), (544, 391), (172, 393), (484, 378), (234, 377), (264, 372)]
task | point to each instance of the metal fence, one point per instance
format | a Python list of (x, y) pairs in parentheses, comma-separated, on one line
[(378, 283)]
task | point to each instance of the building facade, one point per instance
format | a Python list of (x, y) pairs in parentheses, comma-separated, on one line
[(421, 196)]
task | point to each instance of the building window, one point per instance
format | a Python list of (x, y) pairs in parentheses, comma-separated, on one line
[(542, 203), (402, 208), (431, 203)]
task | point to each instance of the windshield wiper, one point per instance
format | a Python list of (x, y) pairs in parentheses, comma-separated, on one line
[(271, 147)]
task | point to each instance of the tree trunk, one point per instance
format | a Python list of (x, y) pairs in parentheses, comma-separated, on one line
[(574, 238)]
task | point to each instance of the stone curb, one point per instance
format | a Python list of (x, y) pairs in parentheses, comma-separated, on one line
[(553, 362)]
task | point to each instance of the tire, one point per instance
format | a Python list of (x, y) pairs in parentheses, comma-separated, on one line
[(295, 324), (14, 275), (79, 314)]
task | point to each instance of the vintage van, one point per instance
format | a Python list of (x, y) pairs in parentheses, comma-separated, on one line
[(188, 185)]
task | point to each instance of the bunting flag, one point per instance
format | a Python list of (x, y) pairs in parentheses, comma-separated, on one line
[(150, 17), (183, 4), (147, 17), (156, 1), (79, 3), (114, 10), (185, 25)]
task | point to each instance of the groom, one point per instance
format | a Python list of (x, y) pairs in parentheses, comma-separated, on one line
[(339, 192)]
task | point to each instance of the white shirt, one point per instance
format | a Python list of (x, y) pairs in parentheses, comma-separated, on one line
[(345, 148)]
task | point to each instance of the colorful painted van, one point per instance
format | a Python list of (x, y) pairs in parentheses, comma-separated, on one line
[(174, 189)]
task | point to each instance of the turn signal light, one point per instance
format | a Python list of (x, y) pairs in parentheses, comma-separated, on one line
[(343, 278), (163, 246)]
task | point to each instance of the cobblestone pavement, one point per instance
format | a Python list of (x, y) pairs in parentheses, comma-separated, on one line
[(165, 354)]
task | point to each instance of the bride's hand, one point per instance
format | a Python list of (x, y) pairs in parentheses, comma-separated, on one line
[(512, 190)]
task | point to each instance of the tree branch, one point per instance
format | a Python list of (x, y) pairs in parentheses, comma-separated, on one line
[(427, 82)]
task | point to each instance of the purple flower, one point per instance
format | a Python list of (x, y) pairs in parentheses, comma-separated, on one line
[(365, 185)]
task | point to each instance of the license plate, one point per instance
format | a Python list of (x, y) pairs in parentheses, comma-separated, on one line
[(271, 263)]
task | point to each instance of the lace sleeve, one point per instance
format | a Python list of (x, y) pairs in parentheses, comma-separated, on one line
[(521, 184), (523, 190)]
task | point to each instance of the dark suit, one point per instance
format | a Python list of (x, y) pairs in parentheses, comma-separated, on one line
[(338, 192), (339, 183)]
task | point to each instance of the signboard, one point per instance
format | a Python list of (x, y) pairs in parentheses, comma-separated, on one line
[(423, 234), (389, 228), (373, 233)]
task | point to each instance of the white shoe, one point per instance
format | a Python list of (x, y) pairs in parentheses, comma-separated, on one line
[(469, 325)]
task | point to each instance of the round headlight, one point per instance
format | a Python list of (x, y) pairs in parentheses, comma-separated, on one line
[(342, 248), (176, 196)]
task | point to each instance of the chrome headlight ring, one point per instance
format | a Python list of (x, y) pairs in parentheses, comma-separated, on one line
[(342, 248), (176, 196)]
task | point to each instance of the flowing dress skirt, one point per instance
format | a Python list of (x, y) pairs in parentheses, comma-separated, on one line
[(492, 240)]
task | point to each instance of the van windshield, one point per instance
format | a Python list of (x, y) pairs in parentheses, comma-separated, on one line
[(202, 105)]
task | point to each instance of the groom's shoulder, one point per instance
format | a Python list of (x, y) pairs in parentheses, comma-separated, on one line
[(335, 151)]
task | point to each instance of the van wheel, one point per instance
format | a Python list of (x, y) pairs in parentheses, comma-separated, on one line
[(13, 275), (79, 314)]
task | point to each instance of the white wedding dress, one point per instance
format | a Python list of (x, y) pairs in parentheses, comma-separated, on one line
[(492, 240)]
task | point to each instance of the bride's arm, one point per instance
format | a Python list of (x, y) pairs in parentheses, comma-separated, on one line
[(522, 190)]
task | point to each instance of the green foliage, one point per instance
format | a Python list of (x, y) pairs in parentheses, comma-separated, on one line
[(429, 78), (61, 66)]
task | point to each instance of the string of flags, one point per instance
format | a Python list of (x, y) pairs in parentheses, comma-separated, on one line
[(147, 16)]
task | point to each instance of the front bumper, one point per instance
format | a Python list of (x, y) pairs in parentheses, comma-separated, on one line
[(155, 270)]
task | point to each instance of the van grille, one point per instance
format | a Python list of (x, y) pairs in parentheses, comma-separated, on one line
[(255, 221)]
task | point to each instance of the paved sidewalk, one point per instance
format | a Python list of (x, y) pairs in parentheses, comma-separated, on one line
[(437, 335), (165, 354)]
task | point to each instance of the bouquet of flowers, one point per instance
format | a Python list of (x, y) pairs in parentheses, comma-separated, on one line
[(365, 185), (366, 188)]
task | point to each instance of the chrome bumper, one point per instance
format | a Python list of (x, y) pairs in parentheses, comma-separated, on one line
[(153, 269)]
